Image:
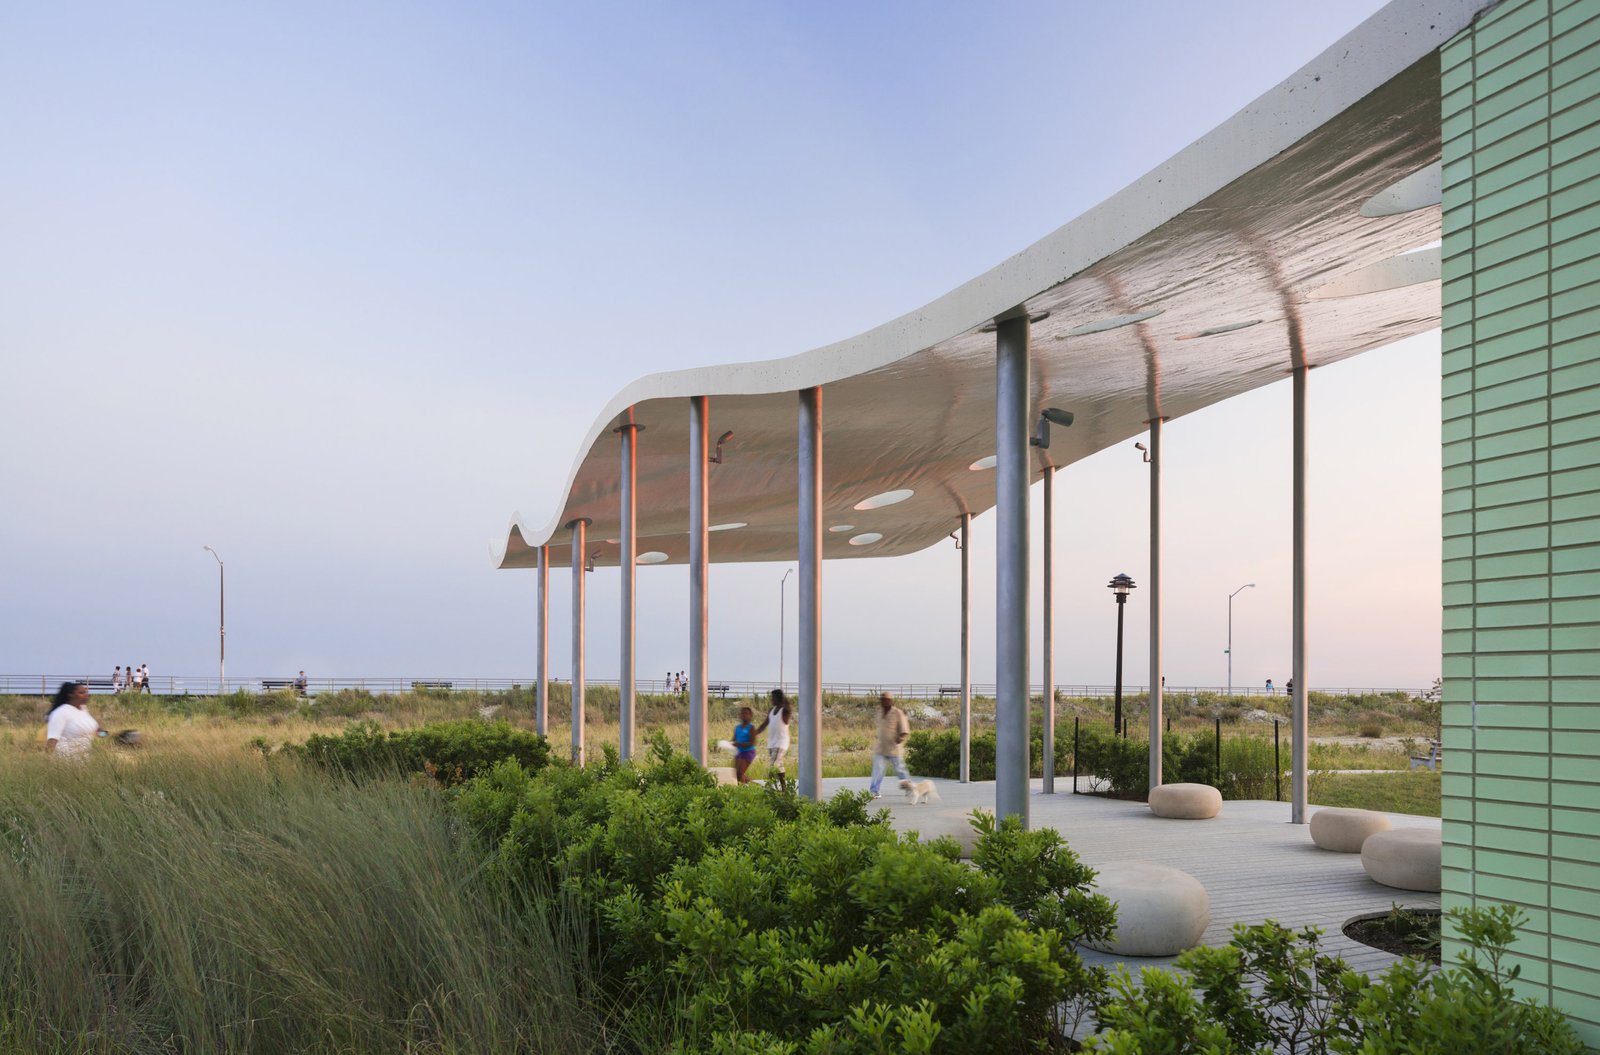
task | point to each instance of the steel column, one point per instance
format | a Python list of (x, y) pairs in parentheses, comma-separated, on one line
[(699, 507), (1156, 728), (628, 542), (1297, 711), (1012, 478), (966, 647), (541, 647), (1048, 630), (579, 558), (808, 758)]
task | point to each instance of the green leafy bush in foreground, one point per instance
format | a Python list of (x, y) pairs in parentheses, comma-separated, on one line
[(746, 919), (1271, 990), (452, 752)]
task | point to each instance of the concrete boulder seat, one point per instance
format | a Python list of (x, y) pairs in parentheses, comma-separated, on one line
[(1161, 911), (1187, 802), (1406, 858), (1343, 831), (724, 774)]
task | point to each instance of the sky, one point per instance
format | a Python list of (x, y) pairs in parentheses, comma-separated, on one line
[(335, 288)]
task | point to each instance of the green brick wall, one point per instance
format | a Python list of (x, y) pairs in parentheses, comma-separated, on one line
[(1521, 398)]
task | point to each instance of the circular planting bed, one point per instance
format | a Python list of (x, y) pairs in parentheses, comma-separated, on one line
[(1402, 931)]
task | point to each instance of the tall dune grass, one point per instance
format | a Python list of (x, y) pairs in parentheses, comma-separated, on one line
[(227, 904)]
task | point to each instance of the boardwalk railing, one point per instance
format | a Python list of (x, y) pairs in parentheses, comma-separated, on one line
[(201, 685)]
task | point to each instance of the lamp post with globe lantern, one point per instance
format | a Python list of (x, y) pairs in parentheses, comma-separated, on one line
[(1121, 586)]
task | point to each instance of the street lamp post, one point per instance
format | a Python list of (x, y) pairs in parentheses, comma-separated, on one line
[(783, 584), (222, 622), (1246, 586), (1120, 585)]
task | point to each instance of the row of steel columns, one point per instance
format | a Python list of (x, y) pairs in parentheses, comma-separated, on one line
[(1013, 477)]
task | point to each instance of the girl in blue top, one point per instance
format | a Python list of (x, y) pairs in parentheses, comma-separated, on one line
[(744, 744)]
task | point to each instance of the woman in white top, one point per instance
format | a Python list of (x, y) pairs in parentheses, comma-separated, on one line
[(777, 727), (70, 729)]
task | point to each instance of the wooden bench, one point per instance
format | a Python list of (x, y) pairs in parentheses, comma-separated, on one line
[(99, 684), (274, 684), (949, 690), (720, 690), (415, 685), (1430, 760)]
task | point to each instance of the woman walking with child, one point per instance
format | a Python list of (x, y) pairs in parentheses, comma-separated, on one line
[(777, 727)]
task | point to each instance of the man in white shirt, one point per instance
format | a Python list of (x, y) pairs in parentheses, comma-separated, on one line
[(144, 677), (116, 680)]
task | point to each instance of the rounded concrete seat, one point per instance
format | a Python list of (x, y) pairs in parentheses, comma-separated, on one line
[(1188, 802), (1407, 858), (724, 774), (1160, 910), (1343, 831)]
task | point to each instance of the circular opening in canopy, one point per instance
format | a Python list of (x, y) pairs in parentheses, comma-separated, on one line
[(655, 556), (1419, 190), (841, 528), (1229, 328), (984, 463), (887, 498), (728, 527), (1110, 324), (867, 539)]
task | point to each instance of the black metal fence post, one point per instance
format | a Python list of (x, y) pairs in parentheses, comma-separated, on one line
[(1277, 766), (1075, 754), (1219, 752)]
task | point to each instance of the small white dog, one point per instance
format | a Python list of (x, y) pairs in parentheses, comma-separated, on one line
[(919, 791)]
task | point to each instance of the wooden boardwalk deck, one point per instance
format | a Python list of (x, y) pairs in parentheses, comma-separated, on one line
[(1255, 865)]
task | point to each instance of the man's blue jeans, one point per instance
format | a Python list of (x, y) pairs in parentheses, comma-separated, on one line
[(881, 762)]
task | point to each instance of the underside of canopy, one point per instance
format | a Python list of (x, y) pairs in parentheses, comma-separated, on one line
[(1302, 230)]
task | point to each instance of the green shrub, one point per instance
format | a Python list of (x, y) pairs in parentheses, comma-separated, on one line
[(937, 753), (1273, 990), (451, 752), (730, 917), (1120, 765), (1115, 766)]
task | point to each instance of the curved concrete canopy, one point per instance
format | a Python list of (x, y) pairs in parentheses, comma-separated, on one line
[(1247, 253)]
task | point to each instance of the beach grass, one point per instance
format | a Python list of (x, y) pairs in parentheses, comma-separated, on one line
[(1415, 792), (204, 898)]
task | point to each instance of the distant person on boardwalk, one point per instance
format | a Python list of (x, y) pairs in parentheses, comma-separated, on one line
[(1269, 687), (118, 679), (893, 728), (777, 727), (744, 745), (300, 684), (69, 729), (144, 677), (1288, 690)]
